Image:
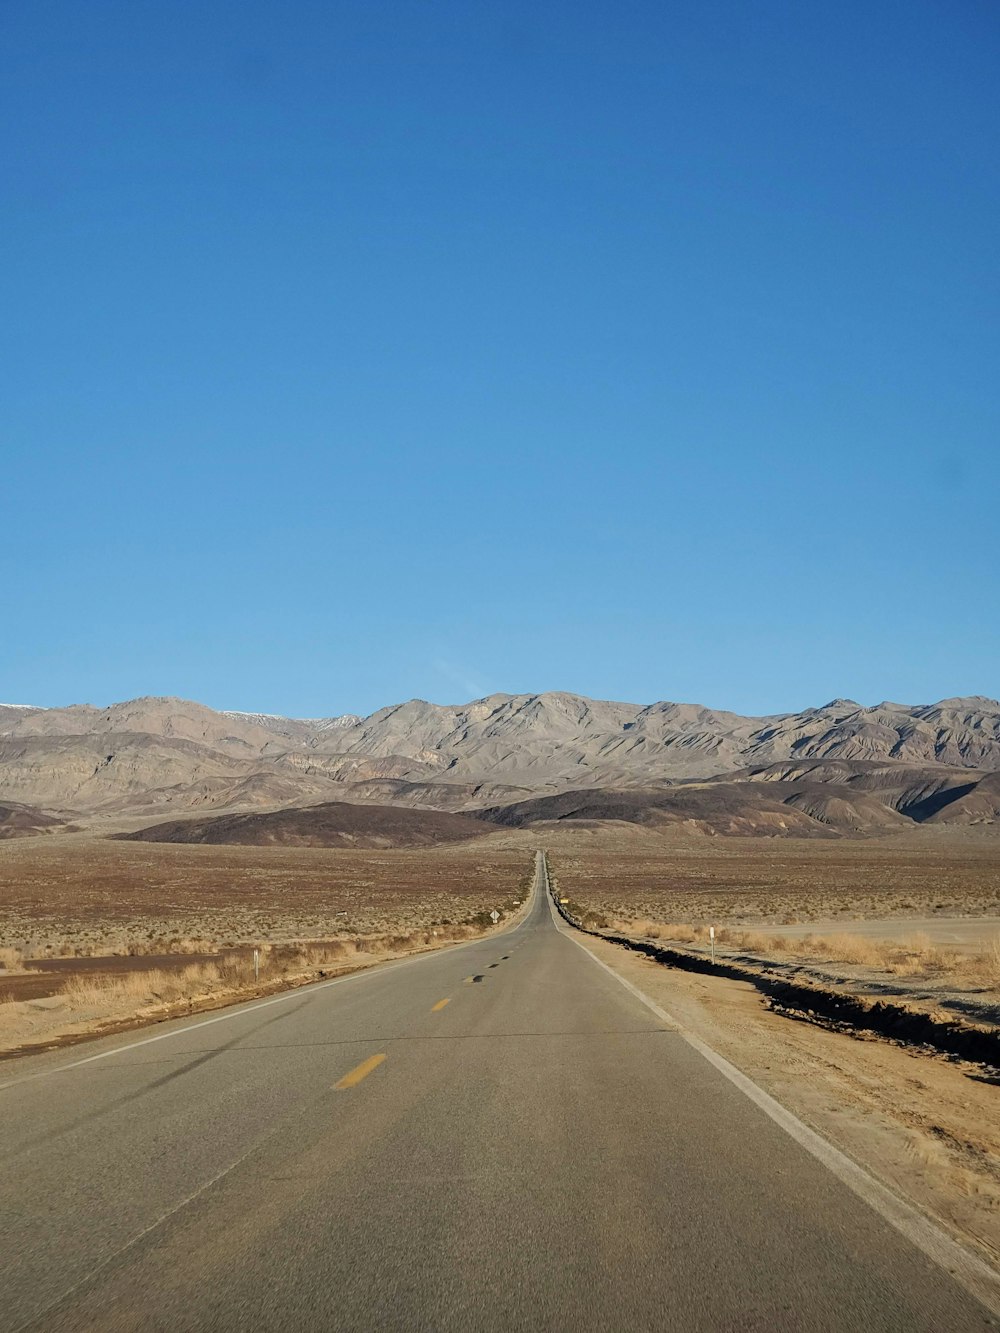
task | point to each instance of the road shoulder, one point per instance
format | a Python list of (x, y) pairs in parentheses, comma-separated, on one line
[(923, 1126)]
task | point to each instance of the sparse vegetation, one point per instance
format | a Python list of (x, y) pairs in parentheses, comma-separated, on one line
[(92, 998), (764, 900), (11, 959), (753, 883), (79, 897), (126, 927), (914, 956)]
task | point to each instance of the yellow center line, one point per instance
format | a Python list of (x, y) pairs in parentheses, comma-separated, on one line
[(440, 1005), (352, 1079)]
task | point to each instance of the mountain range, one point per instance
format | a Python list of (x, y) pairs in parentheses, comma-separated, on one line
[(509, 759)]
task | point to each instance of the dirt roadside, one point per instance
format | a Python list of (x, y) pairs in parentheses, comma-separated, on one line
[(925, 1125)]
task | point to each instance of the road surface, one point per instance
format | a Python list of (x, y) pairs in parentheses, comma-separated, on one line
[(497, 1136)]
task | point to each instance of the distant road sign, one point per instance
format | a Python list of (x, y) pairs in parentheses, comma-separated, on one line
[(494, 916)]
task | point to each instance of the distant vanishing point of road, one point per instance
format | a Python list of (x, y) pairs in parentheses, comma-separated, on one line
[(497, 1136)]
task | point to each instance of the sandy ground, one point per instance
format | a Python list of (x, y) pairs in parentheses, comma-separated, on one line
[(764, 882), (929, 1128), (81, 894), (968, 935)]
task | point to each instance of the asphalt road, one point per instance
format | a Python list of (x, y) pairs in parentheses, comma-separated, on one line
[(498, 1136)]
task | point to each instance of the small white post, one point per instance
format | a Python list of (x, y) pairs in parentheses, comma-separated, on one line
[(256, 965), (711, 936)]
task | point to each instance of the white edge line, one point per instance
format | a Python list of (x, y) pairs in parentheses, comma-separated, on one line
[(973, 1273), (235, 1012), (238, 1010)]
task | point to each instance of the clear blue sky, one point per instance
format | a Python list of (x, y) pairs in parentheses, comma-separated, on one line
[(354, 352)]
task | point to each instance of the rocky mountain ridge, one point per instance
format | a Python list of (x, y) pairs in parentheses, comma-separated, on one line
[(154, 757)]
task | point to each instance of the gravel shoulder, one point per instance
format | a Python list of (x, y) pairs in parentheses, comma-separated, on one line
[(927, 1126)]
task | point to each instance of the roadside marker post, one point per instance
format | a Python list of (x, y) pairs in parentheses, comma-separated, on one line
[(711, 936), (256, 965)]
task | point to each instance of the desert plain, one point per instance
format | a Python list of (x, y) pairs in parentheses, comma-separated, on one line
[(809, 876), (95, 931)]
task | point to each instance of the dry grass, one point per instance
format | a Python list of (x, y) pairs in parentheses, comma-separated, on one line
[(658, 930), (139, 988), (236, 972), (91, 999), (11, 959), (95, 997), (746, 888), (163, 986), (914, 956)]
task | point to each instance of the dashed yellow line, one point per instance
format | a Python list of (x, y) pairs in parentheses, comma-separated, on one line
[(440, 1005), (361, 1071)]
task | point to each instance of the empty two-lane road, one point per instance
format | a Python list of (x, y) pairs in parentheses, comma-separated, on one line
[(497, 1136)]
